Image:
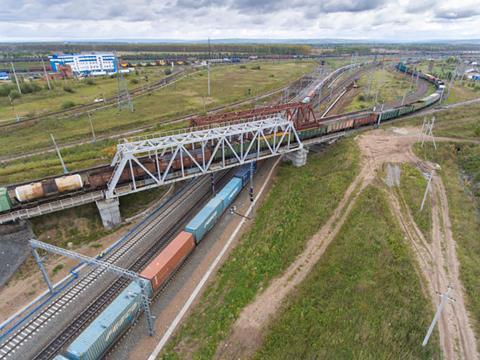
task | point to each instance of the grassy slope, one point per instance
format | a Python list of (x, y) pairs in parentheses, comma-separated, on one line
[(464, 212), (392, 87), (412, 187), (297, 206), (82, 225), (229, 84), (362, 300), (460, 122), (46, 101)]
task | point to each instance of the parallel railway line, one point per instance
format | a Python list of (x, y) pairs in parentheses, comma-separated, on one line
[(150, 229)]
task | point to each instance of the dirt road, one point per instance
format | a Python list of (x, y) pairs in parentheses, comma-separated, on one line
[(437, 261)]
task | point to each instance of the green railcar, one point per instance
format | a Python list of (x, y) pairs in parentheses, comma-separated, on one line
[(405, 110), (5, 203), (388, 114)]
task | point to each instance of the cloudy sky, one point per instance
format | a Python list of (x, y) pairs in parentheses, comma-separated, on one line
[(219, 19)]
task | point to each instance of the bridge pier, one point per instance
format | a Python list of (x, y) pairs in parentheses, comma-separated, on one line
[(298, 158), (109, 212)]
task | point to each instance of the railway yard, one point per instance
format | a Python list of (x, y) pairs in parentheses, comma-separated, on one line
[(241, 207)]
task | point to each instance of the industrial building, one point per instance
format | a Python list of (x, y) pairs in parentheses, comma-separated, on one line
[(85, 64)]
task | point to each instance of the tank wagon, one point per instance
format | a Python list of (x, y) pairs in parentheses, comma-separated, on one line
[(98, 179), (95, 341), (92, 180)]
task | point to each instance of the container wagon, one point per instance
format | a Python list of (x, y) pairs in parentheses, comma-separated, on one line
[(169, 259), (112, 322), (205, 219)]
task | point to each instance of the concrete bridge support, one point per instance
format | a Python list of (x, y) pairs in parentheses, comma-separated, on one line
[(109, 212), (298, 158)]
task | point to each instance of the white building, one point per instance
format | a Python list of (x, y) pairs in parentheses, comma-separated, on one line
[(86, 64)]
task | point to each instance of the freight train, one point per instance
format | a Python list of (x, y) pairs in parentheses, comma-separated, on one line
[(114, 320), (98, 179)]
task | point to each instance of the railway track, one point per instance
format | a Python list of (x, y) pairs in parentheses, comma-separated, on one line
[(151, 230), (108, 102)]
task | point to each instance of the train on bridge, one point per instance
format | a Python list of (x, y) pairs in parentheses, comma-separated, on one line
[(301, 113)]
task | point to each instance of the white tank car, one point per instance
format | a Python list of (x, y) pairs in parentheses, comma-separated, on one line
[(49, 187)]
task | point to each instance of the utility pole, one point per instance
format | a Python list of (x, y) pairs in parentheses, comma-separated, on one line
[(430, 177), (427, 130), (65, 171), (208, 70), (123, 95), (91, 127), (46, 75), (444, 300), (16, 78)]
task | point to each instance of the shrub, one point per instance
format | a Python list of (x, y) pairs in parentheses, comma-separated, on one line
[(134, 81), (14, 94), (361, 97), (68, 89), (90, 81), (167, 71), (243, 67), (272, 75), (57, 268), (6, 89), (29, 87), (67, 104), (256, 67)]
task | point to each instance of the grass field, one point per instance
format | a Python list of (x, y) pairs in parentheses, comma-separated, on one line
[(460, 122), (229, 84), (460, 91), (391, 87), (362, 300), (463, 91), (412, 188), (83, 92), (461, 175), (299, 203)]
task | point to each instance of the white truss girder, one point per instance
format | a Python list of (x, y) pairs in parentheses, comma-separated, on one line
[(206, 150)]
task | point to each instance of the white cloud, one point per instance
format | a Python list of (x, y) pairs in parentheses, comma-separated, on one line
[(199, 19)]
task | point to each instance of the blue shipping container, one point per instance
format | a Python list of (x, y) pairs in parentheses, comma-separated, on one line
[(60, 357), (205, 219), (230, 191), (97, 338), (243, 172)]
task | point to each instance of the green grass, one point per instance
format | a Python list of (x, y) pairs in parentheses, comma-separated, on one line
[(461, 175), (79, 226), (391, 87), (57, 268), (412, 188), (460, 122), (299, 203), (362, 300), (84, 92), (229, 84), (461, 92)]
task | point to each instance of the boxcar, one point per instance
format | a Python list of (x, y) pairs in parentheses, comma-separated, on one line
[(230, 192), (205, 219), (103, 332), (169, 259)]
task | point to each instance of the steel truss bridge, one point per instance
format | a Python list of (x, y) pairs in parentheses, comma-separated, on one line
[(179, 156)]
